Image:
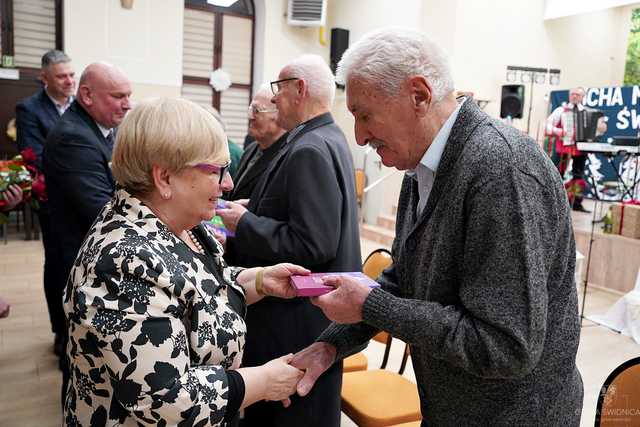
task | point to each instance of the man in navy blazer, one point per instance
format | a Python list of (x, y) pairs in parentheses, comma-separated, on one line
[(35, 117), (76, 160)]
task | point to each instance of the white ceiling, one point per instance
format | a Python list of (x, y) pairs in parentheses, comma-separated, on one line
[(560, 8)]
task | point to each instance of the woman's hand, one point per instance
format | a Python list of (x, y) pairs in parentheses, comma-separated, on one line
[(275, 380), (282, 379), (275, 279), (269, 281)]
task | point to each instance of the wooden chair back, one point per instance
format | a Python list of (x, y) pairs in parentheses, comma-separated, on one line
[(619, 400)]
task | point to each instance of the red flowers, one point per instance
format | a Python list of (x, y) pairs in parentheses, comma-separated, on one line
[(21, 171), (28, 156), (14, 172), (38, 186)]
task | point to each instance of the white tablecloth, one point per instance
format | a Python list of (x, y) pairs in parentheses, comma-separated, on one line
[(624, 315)]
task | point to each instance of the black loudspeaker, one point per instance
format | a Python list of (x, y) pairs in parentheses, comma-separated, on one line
[(339, 43), (512, 101)]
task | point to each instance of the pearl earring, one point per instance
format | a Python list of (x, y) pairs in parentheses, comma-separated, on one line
[(165, 195)]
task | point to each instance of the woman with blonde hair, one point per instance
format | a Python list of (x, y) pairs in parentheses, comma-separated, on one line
[(156, 317)]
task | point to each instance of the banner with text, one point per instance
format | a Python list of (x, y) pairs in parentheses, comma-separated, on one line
[(621, 107)]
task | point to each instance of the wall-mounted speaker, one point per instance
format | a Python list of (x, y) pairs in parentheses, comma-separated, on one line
[(339, 43), (512, 101)]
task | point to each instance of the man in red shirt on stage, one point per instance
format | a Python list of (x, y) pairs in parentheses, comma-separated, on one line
[(561, 130)]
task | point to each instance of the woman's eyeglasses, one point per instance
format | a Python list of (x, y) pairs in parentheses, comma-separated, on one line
[(213, 168)]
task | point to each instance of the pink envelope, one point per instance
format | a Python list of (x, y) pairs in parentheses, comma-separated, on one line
[(311, 285)]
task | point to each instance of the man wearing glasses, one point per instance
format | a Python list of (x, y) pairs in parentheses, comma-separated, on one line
[(302, 210), (268, 136)]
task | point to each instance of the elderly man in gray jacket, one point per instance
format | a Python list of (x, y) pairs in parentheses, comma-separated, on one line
[(482, 283)]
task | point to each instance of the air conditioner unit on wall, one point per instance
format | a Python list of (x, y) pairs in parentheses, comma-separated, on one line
[(307, 13)]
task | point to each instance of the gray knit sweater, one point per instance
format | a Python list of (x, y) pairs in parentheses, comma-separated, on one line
[(482, 285)]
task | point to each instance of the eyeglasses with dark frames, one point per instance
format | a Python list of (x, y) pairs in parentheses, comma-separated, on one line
[(213, 168), (275, 86)]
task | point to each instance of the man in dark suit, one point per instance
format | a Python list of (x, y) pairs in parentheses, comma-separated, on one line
[(268, 138), (482, 283), (35, 116), (302, 210), (76, 160)]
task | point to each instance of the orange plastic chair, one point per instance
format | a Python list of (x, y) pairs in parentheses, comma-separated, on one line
[(619, 400), (373, 265), (378, 398), (361, 180), (376, 262), (355, 362)]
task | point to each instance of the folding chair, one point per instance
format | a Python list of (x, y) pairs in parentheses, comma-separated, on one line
[(619, 400), (377, 398), (373, 265)]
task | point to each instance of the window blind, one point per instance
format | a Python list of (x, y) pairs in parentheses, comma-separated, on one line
[(34, 31)]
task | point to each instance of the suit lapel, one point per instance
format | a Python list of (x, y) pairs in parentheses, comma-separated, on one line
[(242, 166), (321, 120), (246, 159), (469, 118), (263, 162), (49, 106), (273, 166), (81, 112), (256, 170)]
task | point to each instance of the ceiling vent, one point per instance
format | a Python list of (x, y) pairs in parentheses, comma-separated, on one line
[(307, 13)]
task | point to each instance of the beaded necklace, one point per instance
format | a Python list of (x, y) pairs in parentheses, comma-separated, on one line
[(196, 242)]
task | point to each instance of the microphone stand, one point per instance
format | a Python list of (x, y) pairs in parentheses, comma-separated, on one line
[(586, 276)]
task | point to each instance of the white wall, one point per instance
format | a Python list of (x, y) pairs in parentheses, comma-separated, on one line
[(589, 49), (440, 23), (482, 37), (561, 8), (277, 42), (601, 56), (145, 41), (360, 17)]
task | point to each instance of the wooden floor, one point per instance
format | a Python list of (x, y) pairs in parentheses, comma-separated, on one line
[(29, 377), (30, 380)]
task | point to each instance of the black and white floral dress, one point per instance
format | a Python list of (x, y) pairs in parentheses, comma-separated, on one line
[(153, 326)]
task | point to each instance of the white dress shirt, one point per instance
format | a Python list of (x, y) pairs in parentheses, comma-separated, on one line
[(425, 172)]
